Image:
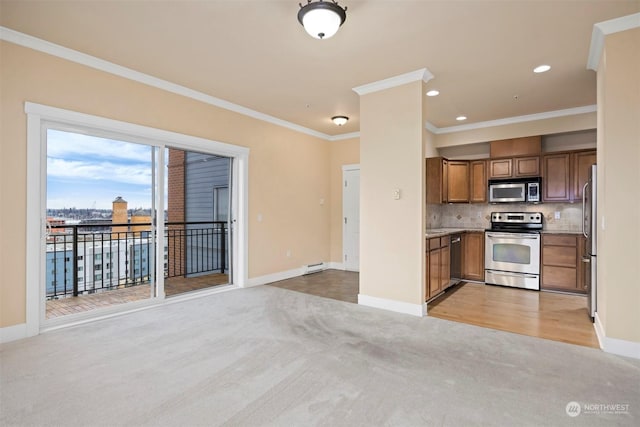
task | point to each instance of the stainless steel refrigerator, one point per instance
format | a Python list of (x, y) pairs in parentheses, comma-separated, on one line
[(589, 229)]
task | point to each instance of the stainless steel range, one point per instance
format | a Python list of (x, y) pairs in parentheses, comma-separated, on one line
[(512, 250)]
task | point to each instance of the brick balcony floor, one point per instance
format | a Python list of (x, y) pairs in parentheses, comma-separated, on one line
[(172, 286)]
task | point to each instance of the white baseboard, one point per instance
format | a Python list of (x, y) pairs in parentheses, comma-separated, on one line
[(274, 277), (335, 265), (392, 305), (13, 333), (615, 345)]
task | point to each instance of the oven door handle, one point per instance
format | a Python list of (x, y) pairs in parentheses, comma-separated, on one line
[(503, 273), (514, 236)]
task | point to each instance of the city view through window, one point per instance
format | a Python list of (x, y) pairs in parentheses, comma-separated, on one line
[(100, 214)]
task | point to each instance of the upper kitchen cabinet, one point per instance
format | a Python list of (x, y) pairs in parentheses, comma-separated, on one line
[(447, 180), (565, 174), (516, 157), (555, 170), (478, 181), (516, 147), (436, 180), (458, 181), (581, 162)]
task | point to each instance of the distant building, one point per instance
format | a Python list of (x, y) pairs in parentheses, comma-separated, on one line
[(102, 263), (107, 256)]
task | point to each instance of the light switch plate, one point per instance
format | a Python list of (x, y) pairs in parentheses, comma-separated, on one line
[(396, 194)]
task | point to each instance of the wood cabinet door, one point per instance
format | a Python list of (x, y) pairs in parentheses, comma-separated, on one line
[(445, 267), (515, 147), (526, 166), (434, 273), (500, 168), (434, 180), (473, 256), (426, 281), (561, 263), (445, 181), (581, 163), (478, 181), (555, 177), (458, 181)]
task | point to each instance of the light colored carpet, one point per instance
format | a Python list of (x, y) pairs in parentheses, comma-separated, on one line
[(269, 356)]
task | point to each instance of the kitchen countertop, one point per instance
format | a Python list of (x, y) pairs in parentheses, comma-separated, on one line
[(561, 232), (441, 232)]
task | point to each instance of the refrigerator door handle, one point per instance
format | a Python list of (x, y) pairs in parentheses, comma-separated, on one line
[(584, 200)]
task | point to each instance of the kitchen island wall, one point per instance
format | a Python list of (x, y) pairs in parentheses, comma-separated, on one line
[(479, 215)]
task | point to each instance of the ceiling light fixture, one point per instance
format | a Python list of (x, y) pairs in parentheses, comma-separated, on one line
[(433, 92), (542, 68), (461, 118), (321, 19), (340, 120)]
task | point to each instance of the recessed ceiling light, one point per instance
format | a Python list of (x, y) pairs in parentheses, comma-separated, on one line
[(461, 118), (433, 92), (541, 68)]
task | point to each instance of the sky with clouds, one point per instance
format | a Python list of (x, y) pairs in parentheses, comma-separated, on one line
[(88, 171)]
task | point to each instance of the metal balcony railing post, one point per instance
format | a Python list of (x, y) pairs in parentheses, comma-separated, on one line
[(223, 245), (75, 260)]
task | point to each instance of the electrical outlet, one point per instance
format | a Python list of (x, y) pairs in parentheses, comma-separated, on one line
[(396, 194), (288, 253), (556, 215)]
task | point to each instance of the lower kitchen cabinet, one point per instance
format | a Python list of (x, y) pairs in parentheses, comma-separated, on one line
[(562, 268), (473, 256), (438, 262)]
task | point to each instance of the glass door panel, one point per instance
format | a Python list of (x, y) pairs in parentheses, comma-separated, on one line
[(196, 228), (100, 240)]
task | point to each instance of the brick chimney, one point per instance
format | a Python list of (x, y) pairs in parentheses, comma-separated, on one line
[(119, 215)]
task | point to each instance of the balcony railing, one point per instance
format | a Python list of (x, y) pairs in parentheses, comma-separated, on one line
[(89, 258)]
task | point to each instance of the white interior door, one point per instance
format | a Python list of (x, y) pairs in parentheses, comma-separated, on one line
[(351, 217)]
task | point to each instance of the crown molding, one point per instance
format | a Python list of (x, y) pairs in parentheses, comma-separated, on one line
[(431, 127), (602, 29), (53, 49), (513, 120), (344, 136), (414, 76), (25, 40)]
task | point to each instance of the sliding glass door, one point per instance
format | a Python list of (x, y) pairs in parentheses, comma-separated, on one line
[(101, 240)]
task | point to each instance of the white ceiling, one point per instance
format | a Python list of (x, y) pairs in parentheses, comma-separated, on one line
[(255, 53)]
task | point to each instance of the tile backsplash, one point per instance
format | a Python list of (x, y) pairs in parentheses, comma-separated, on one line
[(463, 215)]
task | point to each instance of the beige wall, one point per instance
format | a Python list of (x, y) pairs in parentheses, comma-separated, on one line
[(537, 127), (392, 157), (287, 170), (618, 183), (346, 152)]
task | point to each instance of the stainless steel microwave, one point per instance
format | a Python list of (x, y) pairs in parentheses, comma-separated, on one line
[(517, 190)]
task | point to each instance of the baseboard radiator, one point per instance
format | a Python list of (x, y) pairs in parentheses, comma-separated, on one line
[(314, 268)]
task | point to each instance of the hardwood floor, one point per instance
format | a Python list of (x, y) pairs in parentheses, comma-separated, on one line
[(554, 316), (334, 284)]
